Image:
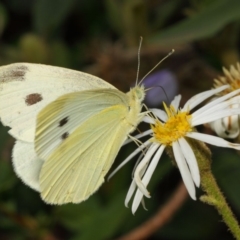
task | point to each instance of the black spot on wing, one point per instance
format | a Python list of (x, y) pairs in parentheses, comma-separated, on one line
[(15, 73), (19, 72), (33, 98), (65, 135), (63, 121)]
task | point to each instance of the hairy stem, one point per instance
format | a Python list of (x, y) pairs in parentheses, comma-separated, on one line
[(213, 195)]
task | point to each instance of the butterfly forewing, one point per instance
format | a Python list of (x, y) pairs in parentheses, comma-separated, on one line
[(26, 88)]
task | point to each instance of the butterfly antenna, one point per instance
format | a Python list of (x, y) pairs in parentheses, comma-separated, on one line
[(169, 54), (164, 93), (138, 67)]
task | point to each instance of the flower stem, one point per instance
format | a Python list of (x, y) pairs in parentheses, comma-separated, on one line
[(213, 196)]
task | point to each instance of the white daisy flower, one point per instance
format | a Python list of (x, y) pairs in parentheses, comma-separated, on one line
[(228, 127), (172, 128)]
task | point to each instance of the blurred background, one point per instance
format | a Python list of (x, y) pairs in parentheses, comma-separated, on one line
[(102, 38)]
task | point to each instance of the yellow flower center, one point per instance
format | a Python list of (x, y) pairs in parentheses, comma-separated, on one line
[(231, 77), (177, 125)]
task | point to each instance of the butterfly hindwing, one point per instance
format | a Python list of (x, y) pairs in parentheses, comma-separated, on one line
[(26, 163)]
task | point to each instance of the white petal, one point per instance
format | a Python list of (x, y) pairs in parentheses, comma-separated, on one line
[(215, 116), (160, 114), (139, 149), (227, 127), (133, 187), (152, 165), (143, 204), (140, 135), (147, 176), (176, 101), (141, 165), (234, 100), (213, 140), (195, 100), (148, 119), (220, 101), (130, 193), (212, 109), (139, 159), (137, 200), (191, 160), (183, 168)]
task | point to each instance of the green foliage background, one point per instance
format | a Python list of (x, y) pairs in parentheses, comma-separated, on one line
[(101, 37)]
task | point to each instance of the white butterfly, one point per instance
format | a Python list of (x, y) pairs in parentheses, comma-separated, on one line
[(82, 121)]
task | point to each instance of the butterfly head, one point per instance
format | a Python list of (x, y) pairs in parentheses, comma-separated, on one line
[(135, 97), (137, 93)]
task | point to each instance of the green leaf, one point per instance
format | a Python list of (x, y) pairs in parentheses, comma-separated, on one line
[(3, 18), (33, 48), (114, 13), (3, 136), (60, 54), (78, 216), (49, 15), (164, 12), (226, 169), (193, 221), (107, 220), (7, 179), (92, 218), (203, 25)]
